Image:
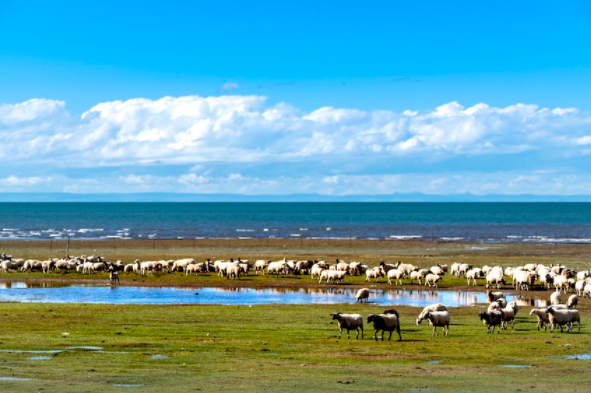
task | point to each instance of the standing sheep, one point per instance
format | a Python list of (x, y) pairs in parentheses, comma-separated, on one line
[(560, 318), (555, 298), (542, 316), (432, 279), (363, 293), (432, 307), (438, 319), (492, 319), (349, 322), (572, 301), (386, 322)]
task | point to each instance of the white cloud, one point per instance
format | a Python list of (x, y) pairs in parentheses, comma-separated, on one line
[(229, 86), (342, 149)]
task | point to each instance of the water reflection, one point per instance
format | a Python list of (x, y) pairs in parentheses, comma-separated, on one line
[(64, 293)]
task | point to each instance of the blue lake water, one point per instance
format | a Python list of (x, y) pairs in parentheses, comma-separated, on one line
[(22, 292), (504, 222)]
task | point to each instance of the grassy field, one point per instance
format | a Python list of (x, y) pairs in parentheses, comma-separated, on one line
[(276, 348), (282, 347)]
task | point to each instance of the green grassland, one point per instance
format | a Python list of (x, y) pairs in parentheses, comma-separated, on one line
[(283, 347), (277, 348)]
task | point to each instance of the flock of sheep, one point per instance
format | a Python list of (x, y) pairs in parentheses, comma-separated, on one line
[(498, 315), (524, 277), (389, 321)]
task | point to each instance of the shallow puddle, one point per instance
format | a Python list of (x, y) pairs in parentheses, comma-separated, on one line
[(87, 347), (16, 379), (159, 357), (40, 358), (433, 362), (23, 351), (584, 356)]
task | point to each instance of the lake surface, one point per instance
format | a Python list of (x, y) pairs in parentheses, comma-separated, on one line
[(49, 293), (491, 222)]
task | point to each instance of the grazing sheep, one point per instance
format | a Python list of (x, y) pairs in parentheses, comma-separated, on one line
[(507, 315), (561, 283), (334, 276), (587, 291), (524, 280), (575, 317), (386, 267), (316, 271), (349, 322), (396, 275), (413, 276), (464, 267), (496, 278), (497, 305), (114, 277), (233, 270), (580, 287), (363, 293), (437, 270), (355, 268), (472, 275), (572, 301), (555, 298), (406, 267), (376, 273), (386, 322), (560, 318), (260, 265), (492, 319), (455, 269), (431, 279), (492, 296), (542, 316), (438, 319), (432, 307)]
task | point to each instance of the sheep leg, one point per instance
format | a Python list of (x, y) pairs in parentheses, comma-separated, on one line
[(390, 338), (340, 332)]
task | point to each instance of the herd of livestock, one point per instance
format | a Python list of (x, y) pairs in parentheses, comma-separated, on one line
[(498, 315), (524, 277)]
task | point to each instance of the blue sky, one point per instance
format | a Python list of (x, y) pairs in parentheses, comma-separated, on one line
[(335, 97)]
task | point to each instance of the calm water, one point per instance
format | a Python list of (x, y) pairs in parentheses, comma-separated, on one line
[(493, 222), (48, 293)]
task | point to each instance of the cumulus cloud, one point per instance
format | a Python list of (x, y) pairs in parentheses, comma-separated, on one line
[(334, 149)]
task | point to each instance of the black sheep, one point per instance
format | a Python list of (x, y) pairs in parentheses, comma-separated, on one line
[(492, 318), (386, 322)]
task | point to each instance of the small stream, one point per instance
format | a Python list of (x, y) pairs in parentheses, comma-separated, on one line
[(98, 294)]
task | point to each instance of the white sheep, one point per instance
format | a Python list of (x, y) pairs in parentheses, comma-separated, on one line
[(349, 322), (432, 279), (560, 318), (572, 301), (438, 319), (542, 316), (362, 294), (395, 274), (432, 307), (335, 276), (376, 273), (555, 298)]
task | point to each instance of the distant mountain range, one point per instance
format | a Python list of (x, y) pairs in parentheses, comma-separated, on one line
[(177, 197)]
